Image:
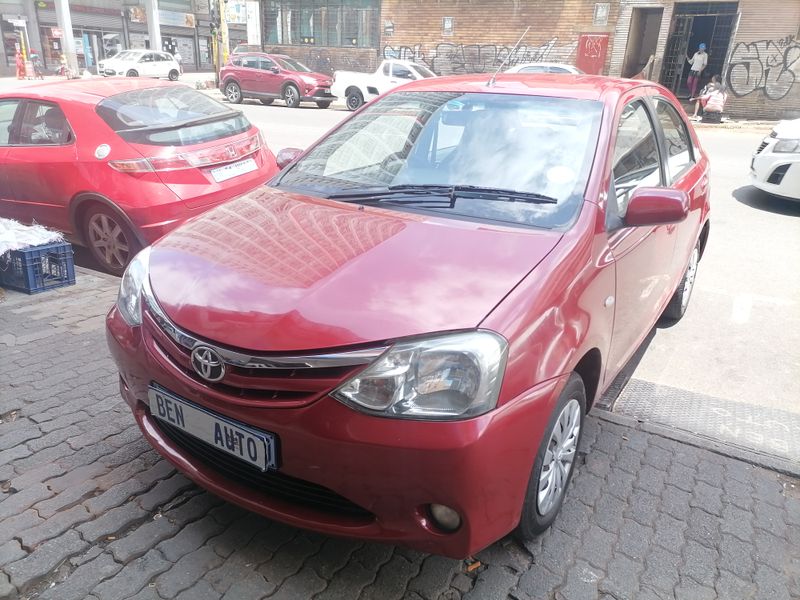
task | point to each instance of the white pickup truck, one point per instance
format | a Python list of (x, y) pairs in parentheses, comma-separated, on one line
[(358, 88)]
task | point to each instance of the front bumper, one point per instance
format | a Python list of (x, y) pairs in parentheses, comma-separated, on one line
[(776, 173), (393, 469), (318, 94)]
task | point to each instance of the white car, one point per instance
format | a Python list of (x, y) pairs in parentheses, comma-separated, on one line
[(775, 167), (543, 67), (358, 88), (140, 63)]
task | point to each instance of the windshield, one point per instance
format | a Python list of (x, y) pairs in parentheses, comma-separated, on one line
[(142, 116), (290, 64), (424, 71), (528, 144)]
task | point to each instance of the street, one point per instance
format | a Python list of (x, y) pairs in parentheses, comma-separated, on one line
[(687, 486)]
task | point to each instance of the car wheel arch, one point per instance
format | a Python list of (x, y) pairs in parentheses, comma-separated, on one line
[(590, 368), (703, 239), (82, 201), (353, 88)]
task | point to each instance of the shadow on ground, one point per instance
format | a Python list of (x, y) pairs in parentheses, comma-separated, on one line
[(755, 198)]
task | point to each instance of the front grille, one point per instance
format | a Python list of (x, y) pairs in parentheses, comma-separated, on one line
[(270, 483), (276, 386), (761, 147), (778, 174)]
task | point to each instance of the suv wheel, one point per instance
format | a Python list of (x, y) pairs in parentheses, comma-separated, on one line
[(291, 96), (233, 92), (267, 101)]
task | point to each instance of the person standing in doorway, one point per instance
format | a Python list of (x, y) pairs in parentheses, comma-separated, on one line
[(20, 65), (699, 62), (178, 59)]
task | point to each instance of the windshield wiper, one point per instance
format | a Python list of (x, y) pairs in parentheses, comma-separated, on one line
[(452, 192)]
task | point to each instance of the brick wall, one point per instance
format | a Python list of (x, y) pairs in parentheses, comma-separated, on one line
[(763, 74), (485, 31)]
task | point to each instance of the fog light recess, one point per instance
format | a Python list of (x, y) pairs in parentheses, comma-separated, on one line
[(445, 517)]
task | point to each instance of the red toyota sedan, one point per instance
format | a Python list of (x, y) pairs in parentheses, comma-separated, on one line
[(400, 338), (115, 164)]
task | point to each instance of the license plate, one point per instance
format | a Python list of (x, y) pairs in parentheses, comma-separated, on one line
[(232, 170), (249, 445)]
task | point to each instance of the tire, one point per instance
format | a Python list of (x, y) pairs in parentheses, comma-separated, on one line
[(132, 73), (267, 101), (173, 75), (680, 299), (354, 100), (233, 92), (324, 104), (109, 238), (540, 509), (291, 96)]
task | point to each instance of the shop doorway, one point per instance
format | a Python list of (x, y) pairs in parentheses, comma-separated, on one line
[(642, 40), (693, 23)]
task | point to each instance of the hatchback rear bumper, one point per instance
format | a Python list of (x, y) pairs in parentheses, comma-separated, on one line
[(392, 469)]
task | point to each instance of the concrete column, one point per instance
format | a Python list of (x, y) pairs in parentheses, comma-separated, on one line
[(65, 24), (153, 24)]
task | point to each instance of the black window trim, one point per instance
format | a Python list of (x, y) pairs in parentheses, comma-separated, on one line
[(16, 125), (669, 177)]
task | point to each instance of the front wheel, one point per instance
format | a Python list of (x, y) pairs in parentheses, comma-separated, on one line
[(680, 299), (109, 239), (132, 73), (324, 104), (354, 100), (173, 75), (291, 96), (233, 92), (555, 461)]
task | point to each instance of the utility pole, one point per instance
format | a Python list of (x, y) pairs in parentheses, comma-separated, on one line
[(153, 24), (64, 20), (222, 46)]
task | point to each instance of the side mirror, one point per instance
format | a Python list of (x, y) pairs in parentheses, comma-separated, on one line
[(287, 156), (275, 70), (656, 206)]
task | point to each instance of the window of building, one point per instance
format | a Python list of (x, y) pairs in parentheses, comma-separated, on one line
[(348, 23)]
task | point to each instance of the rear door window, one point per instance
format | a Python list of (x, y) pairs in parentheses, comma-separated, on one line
[(8, 108), (147, 58), (170, 116), (266, 64), (43, 124), (680, 155), (251, 62)]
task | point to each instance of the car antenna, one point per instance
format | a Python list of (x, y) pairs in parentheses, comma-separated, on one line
[(490, 83)]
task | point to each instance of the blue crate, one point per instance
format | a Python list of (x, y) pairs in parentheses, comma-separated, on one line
[(38, 269)]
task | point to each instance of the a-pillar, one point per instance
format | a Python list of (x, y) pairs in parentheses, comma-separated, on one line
[(153, 24), (65, 24)]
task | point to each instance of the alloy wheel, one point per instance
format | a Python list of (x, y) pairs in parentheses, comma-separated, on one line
[(290, 96), (559, 457), (109, 240), (688, 283), (232, 93)]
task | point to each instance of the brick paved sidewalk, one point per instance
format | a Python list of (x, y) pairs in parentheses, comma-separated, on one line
[(88, 510)]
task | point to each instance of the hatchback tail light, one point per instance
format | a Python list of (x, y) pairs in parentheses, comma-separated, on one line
[(205, 157)]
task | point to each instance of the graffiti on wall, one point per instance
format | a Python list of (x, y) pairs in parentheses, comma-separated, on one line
[(452, 59), (769, 66)]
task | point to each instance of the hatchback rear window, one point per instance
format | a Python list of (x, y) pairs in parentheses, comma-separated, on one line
[(170, 116)]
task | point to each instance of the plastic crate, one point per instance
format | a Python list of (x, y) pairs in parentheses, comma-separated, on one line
[(38, 269)]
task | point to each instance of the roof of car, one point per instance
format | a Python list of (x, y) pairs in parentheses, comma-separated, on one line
[(90, 91), (584, 87)]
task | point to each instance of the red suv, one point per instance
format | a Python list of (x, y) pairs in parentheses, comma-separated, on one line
[(399, 340), (268, 77)]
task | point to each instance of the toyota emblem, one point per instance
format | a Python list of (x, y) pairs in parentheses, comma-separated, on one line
[(208, 363)]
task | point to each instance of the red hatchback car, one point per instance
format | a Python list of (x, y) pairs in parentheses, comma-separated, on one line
[(269, 77), (115, 164), (400, 338)]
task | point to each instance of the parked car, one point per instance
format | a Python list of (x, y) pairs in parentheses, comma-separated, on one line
[(358, 88), (140, 63), (115, 164), (268, 77), (545, 67), (775, 167), (400, 338)]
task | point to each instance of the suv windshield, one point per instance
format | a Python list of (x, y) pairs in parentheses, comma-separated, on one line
[(531, 145), (170, 116), (290, 64)]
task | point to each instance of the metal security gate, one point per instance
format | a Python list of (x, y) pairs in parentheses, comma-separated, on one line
[(675, 53)]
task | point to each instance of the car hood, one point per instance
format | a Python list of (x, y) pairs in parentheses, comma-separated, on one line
[(788, 129), (273, 271), (318, 77)]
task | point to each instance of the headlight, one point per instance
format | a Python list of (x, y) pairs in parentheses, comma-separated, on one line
[(129, 300), (787, 146), (308, 80), (446, 377)]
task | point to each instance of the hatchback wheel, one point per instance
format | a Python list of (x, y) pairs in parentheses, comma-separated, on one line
[(233, 92), (132, 73), (354, 100), (555, 461), (109, 238), (173, 75), (680, 299), (291, 95)]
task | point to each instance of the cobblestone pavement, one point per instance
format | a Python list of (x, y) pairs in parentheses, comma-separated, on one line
[(88, 510)]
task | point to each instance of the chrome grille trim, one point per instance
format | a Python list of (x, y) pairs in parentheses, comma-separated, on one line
[(250, 361)]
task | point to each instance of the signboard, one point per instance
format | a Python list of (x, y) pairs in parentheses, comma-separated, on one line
[(137, 14), (253, 28), (601, 10), (448, 24), (176, 19), (56, 32), (236, 12), (592, 51)]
